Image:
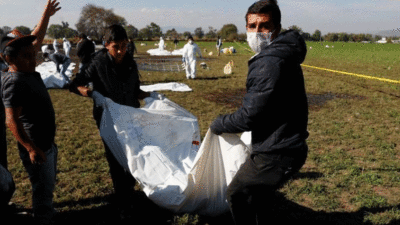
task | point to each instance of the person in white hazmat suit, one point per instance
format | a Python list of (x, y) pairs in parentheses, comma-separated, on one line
[(55, 46), (189, 58), (161, 44), (67, 47)]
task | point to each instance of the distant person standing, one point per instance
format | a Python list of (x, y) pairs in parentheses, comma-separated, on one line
[(67, 47), (161, 44), (55, 45), (219, 45), (176, 42), (189, 57), (85, 49), (131, 48)]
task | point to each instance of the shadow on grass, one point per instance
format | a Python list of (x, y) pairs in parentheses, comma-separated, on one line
[(142, 210), (283, 212)]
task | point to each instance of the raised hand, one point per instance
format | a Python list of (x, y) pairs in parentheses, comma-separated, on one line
[(52, 7)]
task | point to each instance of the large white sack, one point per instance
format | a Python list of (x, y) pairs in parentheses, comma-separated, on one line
[(158, 52), (50, 76), (171, 86), (158, 144), (177, 52)]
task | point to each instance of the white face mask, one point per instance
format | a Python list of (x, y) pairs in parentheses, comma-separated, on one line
[(190, 42), (256, 39)]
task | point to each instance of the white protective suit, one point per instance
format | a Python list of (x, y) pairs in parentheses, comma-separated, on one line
[(67, 47), (161, 44), (189, 58), (55, 46), (45, 48)]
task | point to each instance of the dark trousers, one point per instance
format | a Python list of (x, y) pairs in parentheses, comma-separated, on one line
[(252, 190), (123, 181), (3, 139)]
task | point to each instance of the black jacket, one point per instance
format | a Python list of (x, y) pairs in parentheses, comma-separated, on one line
[(58, 59), (85, 49), (275, 106), (119, 83)]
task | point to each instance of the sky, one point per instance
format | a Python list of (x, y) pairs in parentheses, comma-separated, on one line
[(351, 16)]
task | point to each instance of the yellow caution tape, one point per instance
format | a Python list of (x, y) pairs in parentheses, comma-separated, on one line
[(354, 74)]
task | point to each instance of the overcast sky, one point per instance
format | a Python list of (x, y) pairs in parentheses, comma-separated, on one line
[(326, 15)]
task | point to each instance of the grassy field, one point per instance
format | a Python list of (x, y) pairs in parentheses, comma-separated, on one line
[(351, 175)]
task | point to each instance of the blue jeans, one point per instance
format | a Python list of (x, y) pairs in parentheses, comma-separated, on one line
[(7, 187), (64, 68), (43, 179)]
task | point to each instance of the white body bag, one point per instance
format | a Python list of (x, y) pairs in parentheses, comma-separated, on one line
[(160, 145)]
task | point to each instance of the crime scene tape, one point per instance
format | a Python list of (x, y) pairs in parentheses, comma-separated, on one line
[(243, 46), (354, 74)]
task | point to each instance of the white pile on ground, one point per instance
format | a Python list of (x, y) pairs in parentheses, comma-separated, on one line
[(177, 52), (50, 76), (158, 52), (172, 86), (160, 145)]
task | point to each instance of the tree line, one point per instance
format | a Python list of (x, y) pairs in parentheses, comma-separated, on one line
[(94, 19)]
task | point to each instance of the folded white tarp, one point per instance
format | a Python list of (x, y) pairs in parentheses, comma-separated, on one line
[(50, 76), (172, 86), (160, 145)]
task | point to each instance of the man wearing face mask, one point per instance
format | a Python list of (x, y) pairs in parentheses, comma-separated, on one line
[(189, 58), (274, 109)]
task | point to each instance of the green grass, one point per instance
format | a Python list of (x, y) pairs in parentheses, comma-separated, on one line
[(351, 175)]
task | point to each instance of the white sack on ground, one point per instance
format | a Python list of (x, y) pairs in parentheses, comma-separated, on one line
[(159, 145), (158, 52), (50, 76), (172, 86), (177, 52)]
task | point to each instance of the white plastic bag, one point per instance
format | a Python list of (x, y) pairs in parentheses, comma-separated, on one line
[(160, 145), (50, 76)]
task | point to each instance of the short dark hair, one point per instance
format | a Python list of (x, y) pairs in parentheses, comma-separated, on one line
[(264, 7), (83, 36), (115, 33), (190, 38)]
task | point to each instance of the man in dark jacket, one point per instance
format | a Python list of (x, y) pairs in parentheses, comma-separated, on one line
[(85, 49), (274, 109), (131, 48), (115, 75)]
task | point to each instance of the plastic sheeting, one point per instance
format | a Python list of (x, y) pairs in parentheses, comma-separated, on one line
[(158, 52), (172, 86), (50, 76), (160, 145)]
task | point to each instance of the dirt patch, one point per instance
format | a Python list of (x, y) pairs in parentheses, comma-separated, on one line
[(234, 98)]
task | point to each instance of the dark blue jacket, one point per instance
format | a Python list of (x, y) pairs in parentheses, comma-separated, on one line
[(275, 106)]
